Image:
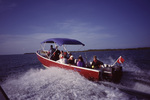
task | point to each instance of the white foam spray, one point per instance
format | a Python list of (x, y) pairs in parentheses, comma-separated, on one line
[(58, 84)]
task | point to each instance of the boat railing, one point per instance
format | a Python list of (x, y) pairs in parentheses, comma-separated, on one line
[(43, 53)]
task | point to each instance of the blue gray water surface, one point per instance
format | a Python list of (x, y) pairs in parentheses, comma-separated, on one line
[(23, 77)]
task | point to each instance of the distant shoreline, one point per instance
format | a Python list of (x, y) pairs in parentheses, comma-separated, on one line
[(30, 53), (142, 48)]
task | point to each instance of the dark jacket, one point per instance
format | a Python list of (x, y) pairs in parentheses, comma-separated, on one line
[(97, 64)]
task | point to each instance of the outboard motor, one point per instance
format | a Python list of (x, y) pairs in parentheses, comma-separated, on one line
[(117, 74), (111, 73), (107, 73)]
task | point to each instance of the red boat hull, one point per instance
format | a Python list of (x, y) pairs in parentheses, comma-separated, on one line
[(90, 74)]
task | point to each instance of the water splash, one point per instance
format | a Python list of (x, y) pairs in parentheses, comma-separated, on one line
[(57, 84), (134, 77)]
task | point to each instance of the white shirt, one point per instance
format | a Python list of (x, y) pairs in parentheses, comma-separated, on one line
[(63, 61)]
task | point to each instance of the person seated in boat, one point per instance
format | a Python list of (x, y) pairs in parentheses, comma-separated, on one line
[(63, 60), (96, 64), (56, 54), (70, 54), (65, 55), (71, 60), (80, 62), (61, 54)]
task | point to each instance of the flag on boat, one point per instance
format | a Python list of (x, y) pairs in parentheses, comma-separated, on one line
[(120, 60)]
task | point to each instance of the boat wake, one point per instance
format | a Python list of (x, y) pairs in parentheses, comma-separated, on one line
[(58, 84), (135, 80)]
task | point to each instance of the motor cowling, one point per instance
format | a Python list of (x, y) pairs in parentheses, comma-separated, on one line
[(117, 74), (112, 74)]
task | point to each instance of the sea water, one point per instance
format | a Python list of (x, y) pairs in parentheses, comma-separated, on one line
[(24, 78)]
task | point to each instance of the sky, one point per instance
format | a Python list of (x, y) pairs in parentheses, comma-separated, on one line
[(99, 24)]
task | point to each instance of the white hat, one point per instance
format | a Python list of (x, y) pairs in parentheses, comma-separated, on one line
[(71, 56)]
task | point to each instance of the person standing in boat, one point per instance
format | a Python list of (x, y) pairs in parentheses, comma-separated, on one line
[(96, 64), (51, 52), (80, 62), (57, 53)]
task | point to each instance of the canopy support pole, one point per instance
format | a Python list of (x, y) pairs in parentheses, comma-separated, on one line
[(86, 57), (65, 49), (42, 47)]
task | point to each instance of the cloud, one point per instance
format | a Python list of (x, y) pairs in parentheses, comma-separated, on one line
[(72, 29), (74, 26), (16, 44), (91, 35)]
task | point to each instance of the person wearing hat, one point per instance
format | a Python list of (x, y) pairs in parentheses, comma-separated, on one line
[(96, 64), (71, 60)]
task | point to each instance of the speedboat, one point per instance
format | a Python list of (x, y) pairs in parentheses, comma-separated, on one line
[(106, 73)]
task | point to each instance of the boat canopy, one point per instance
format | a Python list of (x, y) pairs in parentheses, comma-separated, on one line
[(63, 41)]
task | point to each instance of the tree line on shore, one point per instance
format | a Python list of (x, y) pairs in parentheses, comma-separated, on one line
[(140, 48)]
